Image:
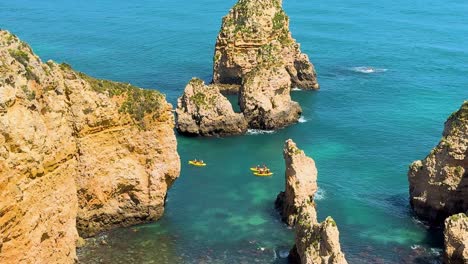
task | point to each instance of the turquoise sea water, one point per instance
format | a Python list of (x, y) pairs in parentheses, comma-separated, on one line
[(362, 129)]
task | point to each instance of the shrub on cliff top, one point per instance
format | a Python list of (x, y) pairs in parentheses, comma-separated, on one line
[(138, 102)]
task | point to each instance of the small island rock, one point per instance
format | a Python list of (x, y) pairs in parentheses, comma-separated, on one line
[(249, 27), (203, 110)]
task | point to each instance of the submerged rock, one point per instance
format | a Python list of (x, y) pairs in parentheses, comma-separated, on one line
[(315, 242), (203, 110), (456, 239), (301, 183), (439, 183), (250, 26), (77, 156)]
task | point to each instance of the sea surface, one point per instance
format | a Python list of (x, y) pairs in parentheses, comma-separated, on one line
[(391, 72)]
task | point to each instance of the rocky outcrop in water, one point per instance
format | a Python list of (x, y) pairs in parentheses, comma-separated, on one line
[(301, 183), (77, 156), (439, 183), (265, 98), (315, 242), (251, 27), (456, 239), (203, 110)]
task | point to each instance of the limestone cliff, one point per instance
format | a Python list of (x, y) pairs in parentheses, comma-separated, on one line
[(439, 183), (301, 183), (316, 243), (203, 110), (265, 97), (76, 154), (456, 239), (249, 27)]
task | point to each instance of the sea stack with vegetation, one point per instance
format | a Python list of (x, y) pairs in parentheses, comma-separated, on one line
[(203, 110), (248, 31), (315, 242), (78, 156), (439, 183)]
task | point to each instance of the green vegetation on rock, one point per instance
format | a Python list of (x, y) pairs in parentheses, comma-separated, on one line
[(19, 55), (138, 102)]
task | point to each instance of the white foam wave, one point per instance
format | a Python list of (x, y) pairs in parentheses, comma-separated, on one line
[(295, 89), (302, 119), (436, 251), (320, 194), (368, 69), (414, 247), (419, 222), (259, 132)]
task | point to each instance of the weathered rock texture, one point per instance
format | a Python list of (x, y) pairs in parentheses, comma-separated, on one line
[(203, 110), (439, 183), (250, 27), (76, 154), (301, 183), (265, 98), (456, 239), (316, 243)]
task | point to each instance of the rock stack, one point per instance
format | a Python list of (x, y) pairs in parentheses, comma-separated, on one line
[(439, 186), (256, 58), (203, 110), (249, 29), (439, 183), (315, 242)]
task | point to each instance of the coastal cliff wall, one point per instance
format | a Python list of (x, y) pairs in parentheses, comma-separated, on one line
[(78, 156)]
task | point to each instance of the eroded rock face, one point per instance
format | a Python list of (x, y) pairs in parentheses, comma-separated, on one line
[(203, 110), (265, 98), (301, 183), (315, 242), (439, 183), (76, 154), (456, 239), (253, 25)]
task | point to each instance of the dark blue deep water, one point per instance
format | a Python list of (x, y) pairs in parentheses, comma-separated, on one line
[(362, 128)]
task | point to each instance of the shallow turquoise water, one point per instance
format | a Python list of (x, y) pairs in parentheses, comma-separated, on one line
[(362, 129)]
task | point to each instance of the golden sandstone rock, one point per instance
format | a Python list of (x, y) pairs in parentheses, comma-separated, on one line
[(77, 156), (315, 242)]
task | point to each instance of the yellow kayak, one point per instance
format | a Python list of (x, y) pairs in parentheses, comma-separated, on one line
[(254, 169), (197, 163), (263, 174)]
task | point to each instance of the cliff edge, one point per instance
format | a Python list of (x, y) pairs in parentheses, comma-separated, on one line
[(78, 155)]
